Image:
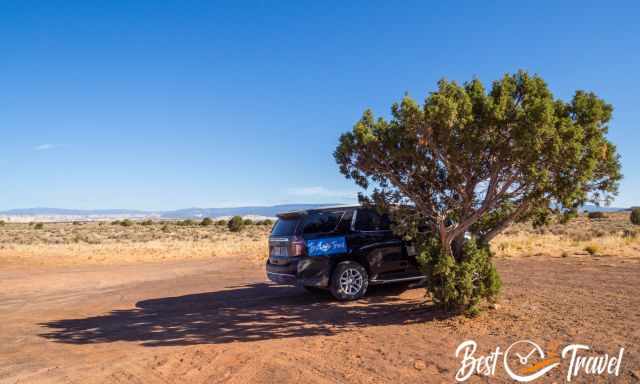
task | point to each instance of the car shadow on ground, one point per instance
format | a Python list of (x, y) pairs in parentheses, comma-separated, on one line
[(239, 314)]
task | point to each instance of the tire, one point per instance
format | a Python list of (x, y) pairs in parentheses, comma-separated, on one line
[(349, 281)]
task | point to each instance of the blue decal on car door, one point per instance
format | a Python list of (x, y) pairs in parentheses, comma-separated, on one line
[(327, 246)]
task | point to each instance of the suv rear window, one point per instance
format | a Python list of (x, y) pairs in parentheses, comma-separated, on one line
[(321, 222), (370, 220), (285, 227)]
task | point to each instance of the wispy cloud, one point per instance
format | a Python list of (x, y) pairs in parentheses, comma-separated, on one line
[(321, 192), (44, 147)]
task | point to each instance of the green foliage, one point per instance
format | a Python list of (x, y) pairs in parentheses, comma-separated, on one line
[(635, 216), (147, 222), (126, 223), (268, 222), (77, 223), (458, 285), (472, 312), (248, 222), (115, 222), (2, 222), (221, 222), (235, 224), (38, 226), (567, 216), (186, 223), (476, 160), (206, 222), (596, 215)]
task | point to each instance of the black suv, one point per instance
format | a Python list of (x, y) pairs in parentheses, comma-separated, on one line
[(343, 249)]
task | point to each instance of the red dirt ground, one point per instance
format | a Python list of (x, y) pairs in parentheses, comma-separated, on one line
[(219, 321)]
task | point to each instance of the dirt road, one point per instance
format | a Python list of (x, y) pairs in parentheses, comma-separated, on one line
[(219, 321)]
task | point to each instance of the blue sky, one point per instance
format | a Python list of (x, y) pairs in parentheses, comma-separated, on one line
[(170, 104)]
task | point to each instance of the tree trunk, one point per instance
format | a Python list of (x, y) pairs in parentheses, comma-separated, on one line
[(445, 240), (457, 247), (453, 246)]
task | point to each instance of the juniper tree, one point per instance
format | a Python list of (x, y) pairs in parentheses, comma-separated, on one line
[(473, 161)]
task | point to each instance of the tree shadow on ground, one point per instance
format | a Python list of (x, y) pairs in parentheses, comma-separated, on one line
[(239, 314)]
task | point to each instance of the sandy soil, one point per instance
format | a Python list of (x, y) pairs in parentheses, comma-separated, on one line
[(210, 321)]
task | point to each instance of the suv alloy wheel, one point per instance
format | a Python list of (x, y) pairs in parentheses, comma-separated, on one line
[(349, 281)]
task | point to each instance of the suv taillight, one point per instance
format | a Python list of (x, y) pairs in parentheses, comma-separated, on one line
[(297, 247)]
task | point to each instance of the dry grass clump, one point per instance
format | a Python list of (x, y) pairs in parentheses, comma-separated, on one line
[(592, 249)]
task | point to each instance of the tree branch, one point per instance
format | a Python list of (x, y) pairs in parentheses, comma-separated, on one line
[(506, 222)]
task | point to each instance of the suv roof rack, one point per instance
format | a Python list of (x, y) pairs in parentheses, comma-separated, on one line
[(292, 214)]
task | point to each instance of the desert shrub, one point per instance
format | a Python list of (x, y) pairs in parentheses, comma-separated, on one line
[(126, 223), (115, 222), (635, 216), (629, 234), (247, 222), (76, 223), (235, 224), (459, 284), (266, 222), (147, 222), (38, 226), (565, 218), (592, 249), (186, 223), (222, 222), (596, 215), (472, 312), (2, 222), (206, 221), (165, 228)]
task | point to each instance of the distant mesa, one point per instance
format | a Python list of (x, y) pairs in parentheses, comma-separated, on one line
[(594, 208), (267, 211), (253, 212), (70, 212), (61, 214)]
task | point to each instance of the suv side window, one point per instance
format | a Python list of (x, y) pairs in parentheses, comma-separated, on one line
[(321, 222), (370, 220)]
